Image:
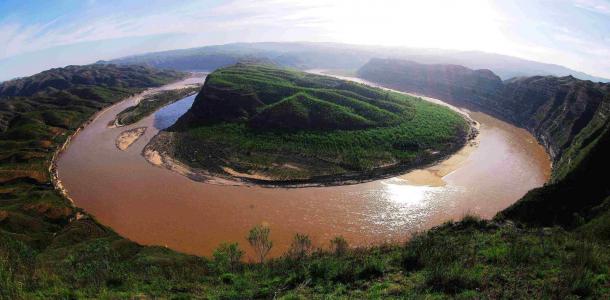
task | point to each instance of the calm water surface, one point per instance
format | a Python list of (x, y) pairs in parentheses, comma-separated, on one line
[(155, 206)]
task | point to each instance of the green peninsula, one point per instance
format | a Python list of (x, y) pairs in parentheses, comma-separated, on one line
[(270, 125)]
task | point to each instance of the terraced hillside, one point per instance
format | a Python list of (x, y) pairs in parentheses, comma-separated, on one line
[(268, 124), (38, 113)]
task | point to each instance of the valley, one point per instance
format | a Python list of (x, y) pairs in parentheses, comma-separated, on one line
[(296, 150), (223, 210), (137, 199)]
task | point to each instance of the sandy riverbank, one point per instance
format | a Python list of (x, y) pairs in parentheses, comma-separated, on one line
[(53, 170), (428, 172), (128, 137)]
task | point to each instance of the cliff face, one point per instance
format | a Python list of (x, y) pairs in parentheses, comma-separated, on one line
[(217, 104), (554, 109), (567, 115)]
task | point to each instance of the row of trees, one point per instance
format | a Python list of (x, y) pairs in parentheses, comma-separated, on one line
[(230, 255)]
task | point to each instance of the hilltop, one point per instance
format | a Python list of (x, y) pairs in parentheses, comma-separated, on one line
[(265, 124)]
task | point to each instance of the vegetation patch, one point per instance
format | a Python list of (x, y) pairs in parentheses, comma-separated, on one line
[(272, 125)]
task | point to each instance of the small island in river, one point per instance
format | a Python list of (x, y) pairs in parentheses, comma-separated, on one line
[(261, 124), (150, 104)]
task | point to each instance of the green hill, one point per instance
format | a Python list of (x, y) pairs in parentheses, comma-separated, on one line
[(38, 113), (286, 126)]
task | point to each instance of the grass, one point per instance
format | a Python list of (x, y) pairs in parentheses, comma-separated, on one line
[(456, 260), (259, 119), (37, 114)]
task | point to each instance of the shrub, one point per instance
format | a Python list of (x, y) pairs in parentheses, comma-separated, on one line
[(227, 257), (259, 240), (472, 220), (339, 245), (372, 267), (300, 247), (9, 287)]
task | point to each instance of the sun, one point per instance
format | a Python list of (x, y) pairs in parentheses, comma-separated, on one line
[(428, 24)]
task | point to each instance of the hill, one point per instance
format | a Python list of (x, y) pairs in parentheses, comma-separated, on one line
[(266, 124), (307, 55), (567, 115), (38, 113)]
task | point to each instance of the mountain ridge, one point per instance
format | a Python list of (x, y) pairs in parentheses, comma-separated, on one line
[(312, 55)]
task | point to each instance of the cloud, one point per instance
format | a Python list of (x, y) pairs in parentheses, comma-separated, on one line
[(195, 18), (597, 6), (468, 25)]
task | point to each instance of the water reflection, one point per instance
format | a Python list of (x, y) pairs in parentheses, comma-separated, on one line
[(401, 192), (168, 115)]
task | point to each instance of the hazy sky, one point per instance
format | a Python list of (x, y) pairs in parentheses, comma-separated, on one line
[(37, 35)]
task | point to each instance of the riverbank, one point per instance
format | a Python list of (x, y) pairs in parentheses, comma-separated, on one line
[(158, 153), (317, 131), (135, 98)]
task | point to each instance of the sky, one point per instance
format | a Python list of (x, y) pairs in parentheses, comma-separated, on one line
[(37, 34)]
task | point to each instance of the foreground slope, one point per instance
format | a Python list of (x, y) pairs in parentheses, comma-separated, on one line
[(271, 125)]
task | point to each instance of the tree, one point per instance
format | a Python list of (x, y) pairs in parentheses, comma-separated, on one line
[(259, 240), (227, 256), (300, 247), (339, 245)]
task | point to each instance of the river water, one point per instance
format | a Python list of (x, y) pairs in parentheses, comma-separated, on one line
[(155, 206)]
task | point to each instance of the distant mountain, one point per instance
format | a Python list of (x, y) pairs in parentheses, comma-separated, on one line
[(305, 55), (569, 116), (109, 76)]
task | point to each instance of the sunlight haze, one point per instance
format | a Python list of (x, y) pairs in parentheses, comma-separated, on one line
[(38, 35)]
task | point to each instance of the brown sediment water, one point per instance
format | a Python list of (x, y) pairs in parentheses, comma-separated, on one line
[(155, 206)]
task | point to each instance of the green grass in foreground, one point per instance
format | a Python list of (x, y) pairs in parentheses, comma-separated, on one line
[(258, 118), (465, 260)]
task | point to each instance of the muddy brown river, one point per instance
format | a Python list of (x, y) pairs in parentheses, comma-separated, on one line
[(155, 206)]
